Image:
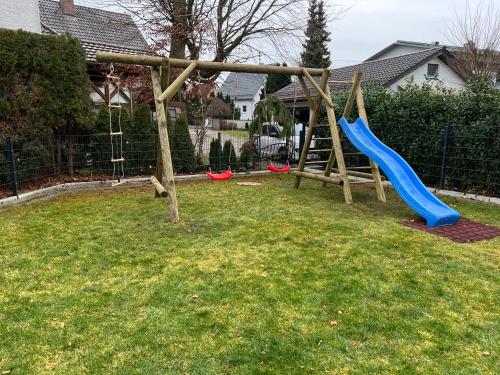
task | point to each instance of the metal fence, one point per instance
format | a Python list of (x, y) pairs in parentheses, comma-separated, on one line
[(457, 159)]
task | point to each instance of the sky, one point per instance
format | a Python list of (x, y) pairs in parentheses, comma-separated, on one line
[(368, 26)]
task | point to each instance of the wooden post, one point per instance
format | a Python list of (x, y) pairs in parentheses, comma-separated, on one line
[(312, 122), (328, 100), (172, 89), (374, 167), (356, 81), (165, 76), (165, 146), (337, 148)]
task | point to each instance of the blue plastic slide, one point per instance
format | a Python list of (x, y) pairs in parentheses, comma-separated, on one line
[(401, 175)]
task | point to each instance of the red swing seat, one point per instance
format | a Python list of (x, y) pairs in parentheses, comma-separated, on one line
[(220, 176), (274, 169)]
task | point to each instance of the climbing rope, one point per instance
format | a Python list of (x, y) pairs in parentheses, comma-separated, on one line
[(116, 135)]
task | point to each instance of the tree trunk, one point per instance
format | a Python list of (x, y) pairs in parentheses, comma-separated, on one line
[(59, 154)]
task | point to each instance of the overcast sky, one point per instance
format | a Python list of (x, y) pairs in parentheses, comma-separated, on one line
[(370, 25)]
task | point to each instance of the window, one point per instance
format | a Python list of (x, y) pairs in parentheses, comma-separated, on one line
[(432, 70), (244, 108)]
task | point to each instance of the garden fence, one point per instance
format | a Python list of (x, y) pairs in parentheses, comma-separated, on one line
[(458, 158)]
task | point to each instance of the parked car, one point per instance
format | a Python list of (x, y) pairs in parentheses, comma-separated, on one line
[(270, 145)]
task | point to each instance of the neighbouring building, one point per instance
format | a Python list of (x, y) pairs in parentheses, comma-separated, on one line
[(97, 30), (245, 90), (425, 65)]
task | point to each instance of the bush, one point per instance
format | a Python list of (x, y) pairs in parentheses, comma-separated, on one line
[(32, 161), (229, 157), (215, 155), (44, 87), (228, 125), (413, 122), (247, 154), (184, 158)]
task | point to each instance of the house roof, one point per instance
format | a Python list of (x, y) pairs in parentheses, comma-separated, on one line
[(407, 43), (243, 86), (384, 72), (97, 29)]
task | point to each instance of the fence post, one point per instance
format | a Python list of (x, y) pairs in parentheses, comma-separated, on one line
[(442, 176), (12, 167), (302, 139)]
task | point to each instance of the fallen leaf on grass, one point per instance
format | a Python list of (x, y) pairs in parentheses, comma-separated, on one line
[(195, 296), (333, 323), (485, 354)]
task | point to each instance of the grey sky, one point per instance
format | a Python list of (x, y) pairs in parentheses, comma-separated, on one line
[(370, 25)]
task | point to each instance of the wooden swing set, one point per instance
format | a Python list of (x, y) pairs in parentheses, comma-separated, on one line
[(164, 91)]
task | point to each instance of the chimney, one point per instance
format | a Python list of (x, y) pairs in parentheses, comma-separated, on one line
[(67, 7)]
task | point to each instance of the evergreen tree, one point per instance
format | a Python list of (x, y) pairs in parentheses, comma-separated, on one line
[(229, 158), (276, 82), (316, 53), (215, 155), (143, 120), (184, 157)]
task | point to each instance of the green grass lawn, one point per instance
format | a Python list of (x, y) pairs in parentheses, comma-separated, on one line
[(236, 133), (255, 280)]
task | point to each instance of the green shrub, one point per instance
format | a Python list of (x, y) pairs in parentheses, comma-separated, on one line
[(32, 161), (184, 155), (247, 155), (215, 155), (229, 157)]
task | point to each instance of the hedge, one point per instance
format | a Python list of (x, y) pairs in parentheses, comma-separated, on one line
[(413, 122)]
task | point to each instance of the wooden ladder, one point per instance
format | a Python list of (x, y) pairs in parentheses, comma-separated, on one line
[(336, 154)]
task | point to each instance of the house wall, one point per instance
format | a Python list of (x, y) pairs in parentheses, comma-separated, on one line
[(245, 116), (447, 77), (20, 14), (400, 51)]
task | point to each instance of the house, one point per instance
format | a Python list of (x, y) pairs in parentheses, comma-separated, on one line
[(97, 30), (426, 65), (245, 90), (403, 47)]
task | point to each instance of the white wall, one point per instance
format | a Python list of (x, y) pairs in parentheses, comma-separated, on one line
[(400, 51), (447, 77), (20, 14), (246, 116)]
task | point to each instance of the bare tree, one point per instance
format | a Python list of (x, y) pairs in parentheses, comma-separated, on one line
[(219, 29), (476, 33)]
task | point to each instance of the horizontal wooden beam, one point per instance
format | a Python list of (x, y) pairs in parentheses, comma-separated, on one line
[(356, 173), (159, 187), (318, 177), (122, 58), (171, 90)]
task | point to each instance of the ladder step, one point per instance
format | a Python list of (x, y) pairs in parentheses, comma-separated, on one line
[(321, 126), (362, 182), (317, 162), (369, 167), (320, 149), (116, 133), (322, 139), (117, 160), (114, 106)]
